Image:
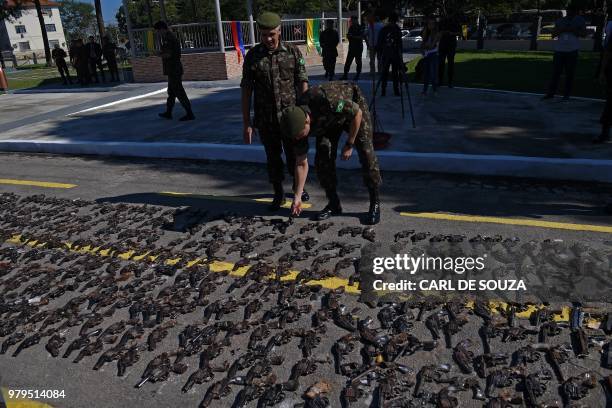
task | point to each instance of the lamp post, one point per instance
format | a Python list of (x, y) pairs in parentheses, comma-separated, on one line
[(219, 26)]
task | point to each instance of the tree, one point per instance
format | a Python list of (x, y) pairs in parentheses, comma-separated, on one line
[(10, 10), (78, 19), (43, 29)]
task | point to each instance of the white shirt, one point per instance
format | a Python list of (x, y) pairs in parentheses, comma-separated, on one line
[(569, 42)]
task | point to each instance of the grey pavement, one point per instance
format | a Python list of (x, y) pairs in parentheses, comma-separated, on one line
[(133, 181), (455, 121)]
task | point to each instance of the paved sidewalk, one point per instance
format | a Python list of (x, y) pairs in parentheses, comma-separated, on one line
[(487, 128)]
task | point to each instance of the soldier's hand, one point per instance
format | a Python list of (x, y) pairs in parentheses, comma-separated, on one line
[(347, 152), (296, 206), (248, 135)]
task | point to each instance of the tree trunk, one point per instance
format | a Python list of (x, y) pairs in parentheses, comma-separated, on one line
[(43, 29), (99, 18)]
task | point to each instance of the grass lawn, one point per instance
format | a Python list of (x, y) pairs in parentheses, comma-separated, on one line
[(526, 71), (38, 76)]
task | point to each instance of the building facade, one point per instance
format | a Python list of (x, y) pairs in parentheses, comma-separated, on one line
[(23, 35)]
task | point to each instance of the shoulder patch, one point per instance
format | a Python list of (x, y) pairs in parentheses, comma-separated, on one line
[(301, 61), (340, 105)]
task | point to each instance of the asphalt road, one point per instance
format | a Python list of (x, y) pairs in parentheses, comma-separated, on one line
[(509, 204)]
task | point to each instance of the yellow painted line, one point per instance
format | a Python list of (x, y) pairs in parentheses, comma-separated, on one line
[(511, 221), (46, 184), (228, 198)]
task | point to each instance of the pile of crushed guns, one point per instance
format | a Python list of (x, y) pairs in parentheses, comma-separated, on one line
[(151, 295)]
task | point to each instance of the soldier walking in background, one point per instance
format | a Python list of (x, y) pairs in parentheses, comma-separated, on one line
[(329, 41), (58, 56), (171, 62), (355, 37), (325, 112), (274, 71)]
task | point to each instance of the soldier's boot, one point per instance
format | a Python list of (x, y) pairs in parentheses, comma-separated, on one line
[(165, 115), (333, 207), (279, 197), (373, 216)]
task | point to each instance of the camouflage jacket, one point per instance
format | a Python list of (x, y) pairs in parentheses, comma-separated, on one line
[(274, 76), (332, 105)]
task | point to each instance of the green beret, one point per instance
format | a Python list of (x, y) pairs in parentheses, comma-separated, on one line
[(292, 121), (268, 20)]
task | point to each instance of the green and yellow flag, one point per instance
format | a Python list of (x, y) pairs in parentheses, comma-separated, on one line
[(313, 28), (150, 42)]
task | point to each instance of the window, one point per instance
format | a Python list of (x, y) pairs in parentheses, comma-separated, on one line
[(24, 46), (52, 43), (50, 28), (20, 29), (48, 12)]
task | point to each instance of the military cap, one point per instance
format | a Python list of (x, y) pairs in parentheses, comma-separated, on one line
[(268, 20), (292, 121)]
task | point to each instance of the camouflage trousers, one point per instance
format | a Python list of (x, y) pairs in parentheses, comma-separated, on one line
[(274, 145), (327, 147)]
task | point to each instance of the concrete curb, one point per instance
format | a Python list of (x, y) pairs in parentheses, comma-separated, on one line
[(490, 165)]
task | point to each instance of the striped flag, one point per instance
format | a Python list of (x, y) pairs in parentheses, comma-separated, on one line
[(313, 28), (237, 37)]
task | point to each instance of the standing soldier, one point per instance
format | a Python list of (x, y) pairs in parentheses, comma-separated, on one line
[(58, 56), (329, 41), (355, 37), (171, 61), (325, 111), (275, 72)]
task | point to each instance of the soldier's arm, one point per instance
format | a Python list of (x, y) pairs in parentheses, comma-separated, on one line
[(355, 126), (301, 77), (301, 173)]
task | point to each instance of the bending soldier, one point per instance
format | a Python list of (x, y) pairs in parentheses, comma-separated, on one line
[(326, 111)]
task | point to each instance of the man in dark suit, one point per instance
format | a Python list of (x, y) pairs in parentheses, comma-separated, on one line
[(94, 54)]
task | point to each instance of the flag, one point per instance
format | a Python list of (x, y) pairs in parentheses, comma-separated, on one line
[(150, 42), (237, 37), (313, 28)]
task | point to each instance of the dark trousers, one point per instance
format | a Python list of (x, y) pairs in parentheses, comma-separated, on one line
[(563, 61), (329, 63), (274, 145), (444, 56), (62, 68), (353, 54), (176, 91), (83, 73), (93, 63), (394, 62), (112, 68)]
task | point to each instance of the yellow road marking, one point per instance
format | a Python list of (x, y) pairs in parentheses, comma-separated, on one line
[(228, 198), (510, 221), (329, 283), (46, 184)]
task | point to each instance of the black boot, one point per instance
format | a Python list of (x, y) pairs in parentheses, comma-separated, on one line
[(373, 216), (333, 207), (279, 197), (165, 115), (305, 196)]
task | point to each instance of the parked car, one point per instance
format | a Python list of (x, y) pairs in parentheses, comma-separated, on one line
[(412, 39), (546, 32)]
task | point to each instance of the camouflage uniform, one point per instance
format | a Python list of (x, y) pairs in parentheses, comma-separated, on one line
[(333, 106), (274, 76)]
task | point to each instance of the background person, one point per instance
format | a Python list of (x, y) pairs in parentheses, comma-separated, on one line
[(447, 48), (59, 56), (109, 50), (329, 41), (94, 54), (355, 38), (429, 49), (173, 68), (568, 31), (389, 49)]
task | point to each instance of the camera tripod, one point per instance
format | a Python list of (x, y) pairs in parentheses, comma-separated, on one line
[(402, 71)]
